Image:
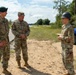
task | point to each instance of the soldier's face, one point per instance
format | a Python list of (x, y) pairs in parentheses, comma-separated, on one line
[(4, 14), (21, 17), (65, 20)]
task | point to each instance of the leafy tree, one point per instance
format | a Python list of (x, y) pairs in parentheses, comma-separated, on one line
[(46, 21), (58, 21), (71, 8), (39, 22), (43, 22), (61, 6), (10, 22)]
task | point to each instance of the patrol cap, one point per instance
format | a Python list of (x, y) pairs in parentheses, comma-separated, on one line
[(3, 9), (21, 13), (66, 15)]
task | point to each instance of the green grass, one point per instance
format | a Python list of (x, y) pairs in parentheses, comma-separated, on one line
[(75, 63), (43, 33)]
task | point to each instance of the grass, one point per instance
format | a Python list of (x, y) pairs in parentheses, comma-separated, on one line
[(43, 33), (75, 63)]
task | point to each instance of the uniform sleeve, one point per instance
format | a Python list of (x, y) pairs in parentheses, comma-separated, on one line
[(14, 30), (3, 32), (70, 35), (1, 37), (28, 30)]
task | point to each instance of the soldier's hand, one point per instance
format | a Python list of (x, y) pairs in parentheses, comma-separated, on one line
[(22, 36), (3, 43), (60, 37)]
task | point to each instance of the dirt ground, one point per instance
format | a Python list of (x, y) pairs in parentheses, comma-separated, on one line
[(44, 58)]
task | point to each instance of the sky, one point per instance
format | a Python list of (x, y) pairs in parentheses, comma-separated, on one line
[(33, 9)]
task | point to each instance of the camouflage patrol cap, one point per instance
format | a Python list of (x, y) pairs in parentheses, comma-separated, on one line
[(3, 9), (21, 13)]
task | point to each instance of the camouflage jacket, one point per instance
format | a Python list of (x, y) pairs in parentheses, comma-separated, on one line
[(4, 29), (20, 28), (67, 33)]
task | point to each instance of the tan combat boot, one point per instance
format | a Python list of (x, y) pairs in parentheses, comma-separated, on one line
[(19, 64), (6, 72), (27, 65)]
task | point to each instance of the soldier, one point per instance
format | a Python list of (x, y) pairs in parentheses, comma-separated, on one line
[(20, 29), (4, 40), (67, 40)]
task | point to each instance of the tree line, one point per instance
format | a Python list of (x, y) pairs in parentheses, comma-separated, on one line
[(43, 22)]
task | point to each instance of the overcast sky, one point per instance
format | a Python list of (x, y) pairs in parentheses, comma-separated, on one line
[(33, 9)]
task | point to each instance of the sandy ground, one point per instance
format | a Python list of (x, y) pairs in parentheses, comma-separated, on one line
[(44, 58)]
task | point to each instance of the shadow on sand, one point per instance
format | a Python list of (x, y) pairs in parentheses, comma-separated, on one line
[(33, 71)]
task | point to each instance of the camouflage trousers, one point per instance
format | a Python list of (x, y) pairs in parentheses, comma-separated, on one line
[(4, 56), (67, 57), (21, 45)]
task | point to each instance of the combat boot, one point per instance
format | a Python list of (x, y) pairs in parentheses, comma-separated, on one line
[(19, 64), (6, 72), (27, 65)]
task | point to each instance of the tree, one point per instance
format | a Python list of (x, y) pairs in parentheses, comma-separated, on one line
[(39, 22), (46, 21), (10, 22), (72, 7), (58, 21), (61, 6)]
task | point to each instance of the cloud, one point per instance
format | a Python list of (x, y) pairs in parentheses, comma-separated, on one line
[(41, 1), (37, 12), (33, 10), (13, 7), (37, 15)]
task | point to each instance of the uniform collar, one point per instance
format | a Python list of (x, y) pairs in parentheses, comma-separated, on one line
[(20, 21)]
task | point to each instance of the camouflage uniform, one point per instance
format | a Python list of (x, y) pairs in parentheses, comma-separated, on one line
[(20, 44), (67, 47), (5, 51)]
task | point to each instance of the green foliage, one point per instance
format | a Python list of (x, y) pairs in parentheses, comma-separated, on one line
[(72, 10), (39, 22), (46, 22), (43, 22), (61, 5), (58, 21), (73, 20), (71, 7), (75, 63), (10, 23)]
